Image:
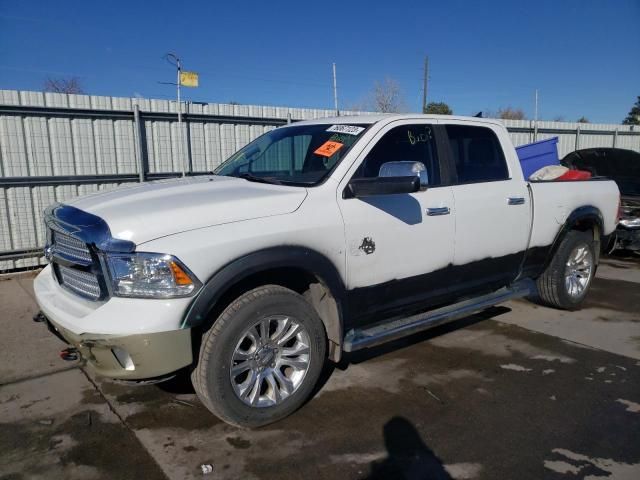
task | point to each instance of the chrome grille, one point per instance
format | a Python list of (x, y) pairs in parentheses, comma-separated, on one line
[(71, 247), (74, 240), (83, 283)]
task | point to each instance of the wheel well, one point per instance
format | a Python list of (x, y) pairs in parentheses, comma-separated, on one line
[(583, 219), (586, 224), (590, 225), (315, 291)]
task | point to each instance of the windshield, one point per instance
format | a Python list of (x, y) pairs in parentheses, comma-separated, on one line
[(295, 155)]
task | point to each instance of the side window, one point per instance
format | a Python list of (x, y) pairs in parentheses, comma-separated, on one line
[(413, 143), (477, 154)]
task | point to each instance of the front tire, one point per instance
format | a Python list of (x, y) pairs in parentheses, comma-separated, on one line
[(262, 357), (567, 279)]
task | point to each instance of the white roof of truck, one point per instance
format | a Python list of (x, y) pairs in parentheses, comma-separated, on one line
[(389, 117), (370, 119)]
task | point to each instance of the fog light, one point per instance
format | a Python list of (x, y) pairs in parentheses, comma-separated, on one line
[(123, 358)]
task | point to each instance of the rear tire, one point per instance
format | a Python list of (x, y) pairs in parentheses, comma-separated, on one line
[(567, 279), (262, 357)]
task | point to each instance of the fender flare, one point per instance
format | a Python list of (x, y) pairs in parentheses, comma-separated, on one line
[(260, 261), (537, 259), (586, 214)]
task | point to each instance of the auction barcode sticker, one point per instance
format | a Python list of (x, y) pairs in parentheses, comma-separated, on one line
[(350, 129)]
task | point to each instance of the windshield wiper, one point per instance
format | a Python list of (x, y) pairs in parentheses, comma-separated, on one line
[(254, 178)]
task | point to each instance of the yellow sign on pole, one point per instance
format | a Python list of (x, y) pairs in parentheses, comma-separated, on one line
[(189, 79)]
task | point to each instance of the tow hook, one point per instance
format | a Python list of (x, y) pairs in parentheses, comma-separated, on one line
[(70, 354)]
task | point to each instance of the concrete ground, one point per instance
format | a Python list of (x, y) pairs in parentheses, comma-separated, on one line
[(519, 391)]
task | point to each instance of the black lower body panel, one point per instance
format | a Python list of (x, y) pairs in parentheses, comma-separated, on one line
[(441, 287)]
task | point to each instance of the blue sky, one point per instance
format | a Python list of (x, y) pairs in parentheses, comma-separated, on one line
[(582, 55)]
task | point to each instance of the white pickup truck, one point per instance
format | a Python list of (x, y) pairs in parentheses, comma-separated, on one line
[(315, 239)]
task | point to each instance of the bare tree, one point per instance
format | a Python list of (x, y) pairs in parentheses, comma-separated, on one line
[(583, 119), (63, 85), (388, 96), (511, 113), (385, 97), (506, 113), (559, 118)]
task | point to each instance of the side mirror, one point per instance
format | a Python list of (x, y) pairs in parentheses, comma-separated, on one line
[(367, 187), (406, 169)]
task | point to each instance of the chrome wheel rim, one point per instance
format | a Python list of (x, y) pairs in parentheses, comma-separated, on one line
[(270, 361), (578, 271)]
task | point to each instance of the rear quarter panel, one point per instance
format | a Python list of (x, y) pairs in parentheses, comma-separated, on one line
[(553, 202)]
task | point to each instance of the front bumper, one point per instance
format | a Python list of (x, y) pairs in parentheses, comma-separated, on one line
[(132, 357), (134, 343)]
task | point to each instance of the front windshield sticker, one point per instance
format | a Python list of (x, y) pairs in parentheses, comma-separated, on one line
[(350, 129), (328, 148)]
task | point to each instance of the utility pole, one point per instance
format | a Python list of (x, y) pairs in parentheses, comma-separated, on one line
[(175, 61), (425, 84), (535, 119), (335, 90)]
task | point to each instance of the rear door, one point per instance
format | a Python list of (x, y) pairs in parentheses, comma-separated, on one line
[(493, 214)]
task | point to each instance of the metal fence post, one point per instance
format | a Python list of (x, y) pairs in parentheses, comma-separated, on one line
[(577, 138), (615, 137), (535, 130), (187, 125), (141, 147)]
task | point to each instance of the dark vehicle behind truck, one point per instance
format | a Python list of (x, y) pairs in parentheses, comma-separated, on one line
[(622, 166)]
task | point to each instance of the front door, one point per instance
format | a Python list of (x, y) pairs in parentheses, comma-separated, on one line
[(398, 246)]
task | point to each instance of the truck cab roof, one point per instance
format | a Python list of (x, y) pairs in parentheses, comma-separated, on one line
[(370, 119)]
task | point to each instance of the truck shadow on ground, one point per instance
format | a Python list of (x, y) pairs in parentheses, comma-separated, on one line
[(364, 355), (178, 385), (408, 457), (181, 383), (626, 298), (624, 255)]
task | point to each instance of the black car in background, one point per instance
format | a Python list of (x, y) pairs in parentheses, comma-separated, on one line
[(623, 166)]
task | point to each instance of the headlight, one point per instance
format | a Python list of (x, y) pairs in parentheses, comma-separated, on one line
[(150, 275)]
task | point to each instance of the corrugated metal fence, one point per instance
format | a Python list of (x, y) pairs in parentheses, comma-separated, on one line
[(55, 146)]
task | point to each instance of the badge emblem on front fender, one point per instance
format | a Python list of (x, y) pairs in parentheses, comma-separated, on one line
[(368, 246)]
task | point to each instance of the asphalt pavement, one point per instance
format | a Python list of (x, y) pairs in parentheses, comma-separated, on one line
[(517, 392)]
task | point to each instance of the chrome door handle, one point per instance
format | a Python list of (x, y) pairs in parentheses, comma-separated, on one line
[(516, 201), (432, 212)]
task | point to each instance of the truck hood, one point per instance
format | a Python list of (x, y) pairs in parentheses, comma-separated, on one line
[(151, 210)]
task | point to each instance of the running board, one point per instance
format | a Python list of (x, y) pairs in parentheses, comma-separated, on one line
[(388, 330)]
